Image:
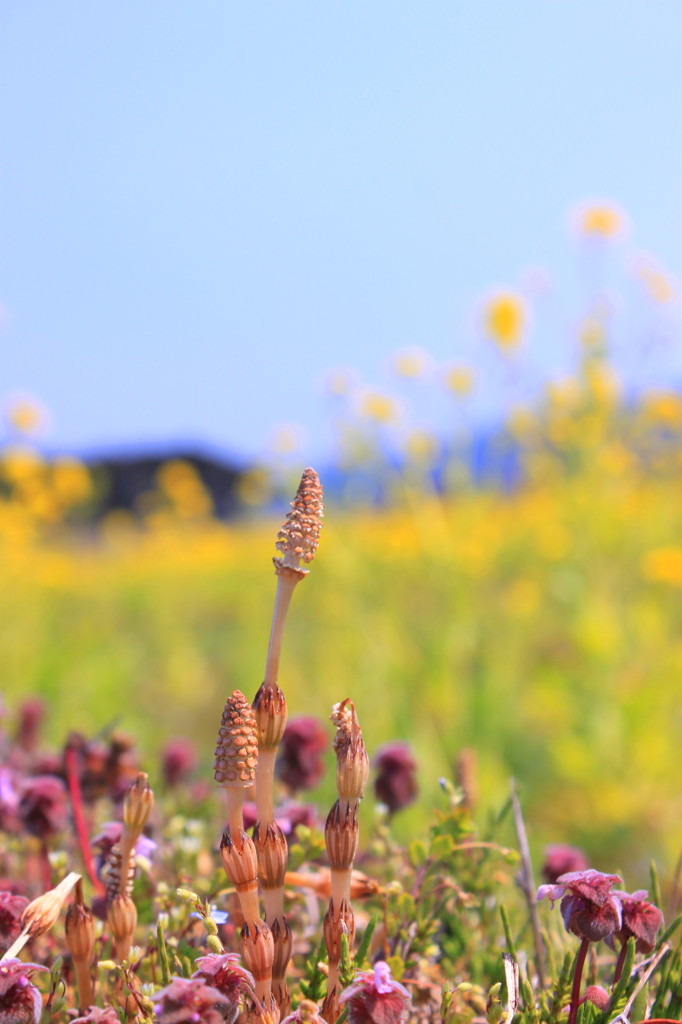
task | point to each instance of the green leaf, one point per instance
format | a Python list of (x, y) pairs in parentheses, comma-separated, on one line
[(442, 847), (417, 853)]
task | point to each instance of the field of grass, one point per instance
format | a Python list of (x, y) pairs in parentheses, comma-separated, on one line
[(539, 628)]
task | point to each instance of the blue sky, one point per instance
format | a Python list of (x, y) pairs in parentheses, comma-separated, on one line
[(205, 206)]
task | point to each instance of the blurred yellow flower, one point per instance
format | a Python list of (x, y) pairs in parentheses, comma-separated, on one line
[(255, 486), (663, 407), (505, 318), (564, 393), (663, 565), (656, 281), (71, 480), (183, 486), (25, 415), (18, 465), (421, 445), (410, 363), (378, 407), (459, 380), (601, 220)]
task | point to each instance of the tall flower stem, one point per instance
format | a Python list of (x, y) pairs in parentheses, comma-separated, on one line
[(76, 797), (297, 542), (341, 840), (577, 978), (619, 962)]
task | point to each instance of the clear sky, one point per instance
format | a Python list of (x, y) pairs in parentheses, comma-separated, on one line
[(206, 205)]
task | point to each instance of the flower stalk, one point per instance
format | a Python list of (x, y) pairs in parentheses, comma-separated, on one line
[(297, 542), (341, 840)]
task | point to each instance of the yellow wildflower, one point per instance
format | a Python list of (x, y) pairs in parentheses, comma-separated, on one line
[(505, 319), (601, 220), (459, 380), (378, 407), (25, 415), (663, 565), (71, 480), (410, 363), (421, 445)]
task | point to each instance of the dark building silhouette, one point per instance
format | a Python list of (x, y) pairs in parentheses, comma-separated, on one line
[(121, 481)]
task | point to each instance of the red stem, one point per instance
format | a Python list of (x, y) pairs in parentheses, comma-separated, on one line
[(577, 978), (73, 782), (619, 962)]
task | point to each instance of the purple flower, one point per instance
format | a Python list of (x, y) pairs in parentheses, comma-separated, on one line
[(178, 761), (641, 919), (299, 762), (395, 783), (11, 909), (9, 801), (589, 909), (190, 1001), (20, 1001), (95, 1015), (31, 715), (224, 972), (375, 998), (561, 859), (43, 807)]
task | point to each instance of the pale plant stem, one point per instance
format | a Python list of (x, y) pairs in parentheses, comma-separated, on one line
[(341, 881), (86, 995), (234, 800), (265, 773), (17, 945), (122, 947), (273, 905), (286, 581), (250, 906)]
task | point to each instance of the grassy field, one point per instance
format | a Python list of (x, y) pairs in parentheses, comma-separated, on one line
[(539, 628)]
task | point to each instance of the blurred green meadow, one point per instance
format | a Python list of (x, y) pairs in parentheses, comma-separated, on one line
[(537, 625)]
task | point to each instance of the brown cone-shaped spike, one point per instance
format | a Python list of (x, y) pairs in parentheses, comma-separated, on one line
[(236, 753), (283, 941), (138, 804), (299, 536), (80, 931), (240, 860), (273, 854), (337, 923), (341, 836), (122, 917), (270, 709), (352, 762), (330, 1006), (258, 950), (280, 993)]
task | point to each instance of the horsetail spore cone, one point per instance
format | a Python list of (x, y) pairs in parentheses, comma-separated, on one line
[(236, 756)]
